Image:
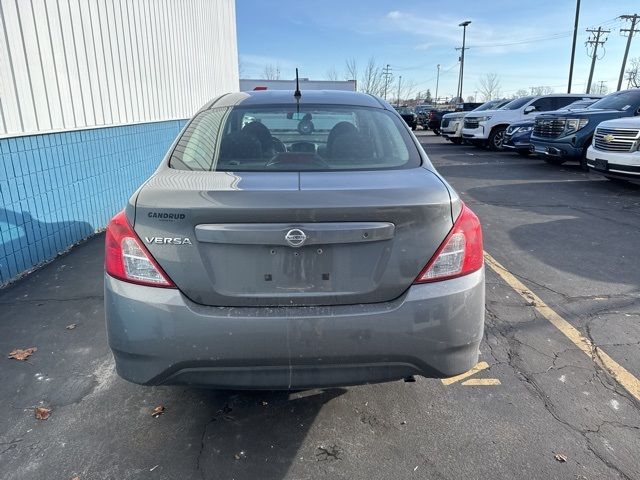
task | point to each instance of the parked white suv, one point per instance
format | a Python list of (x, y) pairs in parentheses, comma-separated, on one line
[(488, 127), (451, 126), (615, 150)]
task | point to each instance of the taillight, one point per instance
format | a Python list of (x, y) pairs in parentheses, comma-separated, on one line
[(126, 258), (461, 252)]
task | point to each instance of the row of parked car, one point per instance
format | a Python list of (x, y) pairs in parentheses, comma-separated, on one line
[(602, 133)]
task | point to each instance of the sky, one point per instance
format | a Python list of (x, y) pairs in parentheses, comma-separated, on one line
[(526, 43)]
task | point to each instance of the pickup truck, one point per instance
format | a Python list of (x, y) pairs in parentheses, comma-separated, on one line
[(614, 152), (451, 125), (565, 136), (488, 128)]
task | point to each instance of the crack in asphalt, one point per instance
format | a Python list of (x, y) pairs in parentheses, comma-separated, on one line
[(223, 413), (527, 377), (44, 300)]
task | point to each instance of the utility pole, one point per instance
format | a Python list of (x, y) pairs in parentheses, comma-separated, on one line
[(464, 26), (634, 21), (437, 83), (386, 73), (601, 87), (399, 83), (573, 47), (595, 41)]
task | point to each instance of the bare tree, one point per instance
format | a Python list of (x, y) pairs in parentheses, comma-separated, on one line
[(489, 86), (633, 73), (541, 90), (372, 80), (521, 92), (600, 87), (407, 88), (351, 69), (271, 72), (331, 74)]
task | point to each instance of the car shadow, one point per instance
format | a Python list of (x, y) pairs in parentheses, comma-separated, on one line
[(26, 241), (258, 434), (552, 227)]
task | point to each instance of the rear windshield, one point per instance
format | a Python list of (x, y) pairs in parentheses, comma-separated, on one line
[(619, 101), (517, 103), (321, 138)]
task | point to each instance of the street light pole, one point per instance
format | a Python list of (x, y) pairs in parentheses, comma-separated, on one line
[(437, 83), (399, 82), (464, 26)]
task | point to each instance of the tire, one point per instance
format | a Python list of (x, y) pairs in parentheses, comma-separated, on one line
[(583, 158), (413, 127), (554, 160), (496, 138), (456, 141), (436, 131), (524, 153)]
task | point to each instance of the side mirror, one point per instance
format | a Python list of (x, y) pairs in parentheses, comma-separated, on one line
[(530, 109)]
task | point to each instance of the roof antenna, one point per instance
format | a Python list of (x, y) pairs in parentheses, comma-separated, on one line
[(297, 93)]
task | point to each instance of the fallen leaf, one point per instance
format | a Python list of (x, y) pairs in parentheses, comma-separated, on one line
[(560, 457), (42, 413), (19, 354), (159, 410), (71, 326)]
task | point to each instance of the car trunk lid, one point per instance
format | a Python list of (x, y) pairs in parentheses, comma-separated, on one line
[(293, 238)]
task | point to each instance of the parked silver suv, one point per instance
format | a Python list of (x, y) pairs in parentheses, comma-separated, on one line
[(289, 242)]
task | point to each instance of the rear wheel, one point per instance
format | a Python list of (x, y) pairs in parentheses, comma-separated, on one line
[(496, 139), (436, 131)]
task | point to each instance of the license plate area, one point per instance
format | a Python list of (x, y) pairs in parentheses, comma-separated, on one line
[(600, 164)]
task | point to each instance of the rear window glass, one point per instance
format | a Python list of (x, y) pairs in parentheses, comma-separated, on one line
[(271, 138)]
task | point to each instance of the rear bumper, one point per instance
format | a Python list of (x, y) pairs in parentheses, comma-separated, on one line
[(158, 336)]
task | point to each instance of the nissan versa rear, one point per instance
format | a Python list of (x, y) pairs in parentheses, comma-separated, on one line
[(288, 242)]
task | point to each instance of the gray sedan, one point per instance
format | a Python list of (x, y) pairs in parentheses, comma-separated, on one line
[(287, 242)]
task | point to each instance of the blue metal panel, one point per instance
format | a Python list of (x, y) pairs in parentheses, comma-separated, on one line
[(57, 189)]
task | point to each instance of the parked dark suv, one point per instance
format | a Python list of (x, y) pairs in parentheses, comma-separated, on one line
[(565, 136)]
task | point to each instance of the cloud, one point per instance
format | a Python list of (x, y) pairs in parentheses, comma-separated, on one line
[(445, 30)]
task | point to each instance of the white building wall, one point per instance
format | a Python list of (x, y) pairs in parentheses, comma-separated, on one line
[(68, 64)]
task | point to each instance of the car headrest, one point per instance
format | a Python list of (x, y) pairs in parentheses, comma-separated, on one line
[(352, 146), (240, 146), (261, 132), (338, 129)]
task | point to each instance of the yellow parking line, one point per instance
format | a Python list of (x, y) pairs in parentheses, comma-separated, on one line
[(599, 356), (480, 366), (478, 382)]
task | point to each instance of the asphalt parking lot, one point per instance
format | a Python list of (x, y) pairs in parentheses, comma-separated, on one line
[(541, 408)]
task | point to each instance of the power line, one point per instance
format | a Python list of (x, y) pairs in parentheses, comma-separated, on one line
[(634, 21), (386, 73), (594, 40)]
